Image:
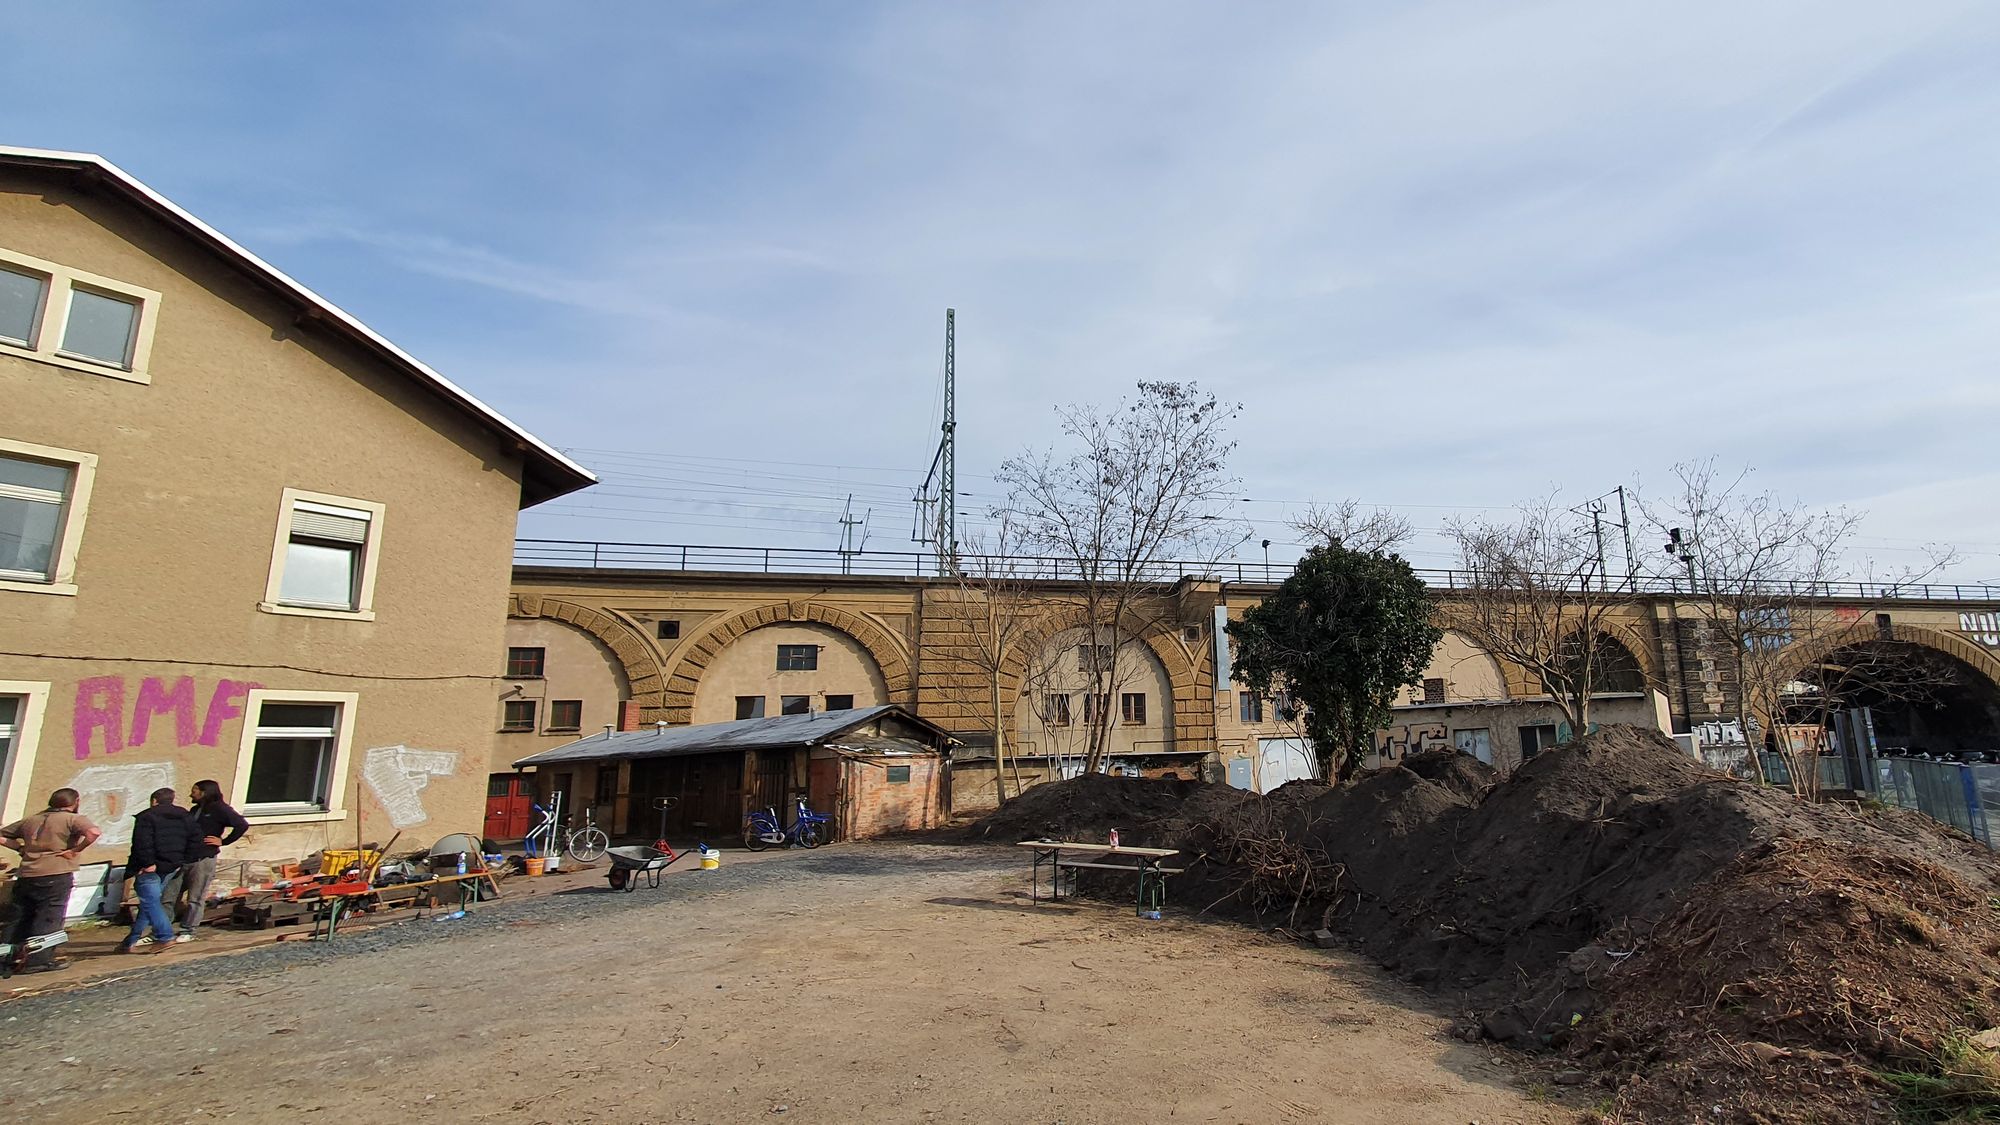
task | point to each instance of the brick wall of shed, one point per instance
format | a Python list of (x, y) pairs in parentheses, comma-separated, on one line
[(877, 807)]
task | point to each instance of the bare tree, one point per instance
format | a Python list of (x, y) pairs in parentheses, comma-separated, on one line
[(1374, 531), (1534, 593), (1761, 574), (993, 604), (1143, 492)]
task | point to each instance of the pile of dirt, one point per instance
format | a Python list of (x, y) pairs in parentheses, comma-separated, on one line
[(1089, 806), (1689, 940)]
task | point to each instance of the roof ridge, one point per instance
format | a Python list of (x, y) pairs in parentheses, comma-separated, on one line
[(285, 281)]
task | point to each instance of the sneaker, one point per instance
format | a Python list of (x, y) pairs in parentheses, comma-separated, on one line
[(147, 940), (179, 938)]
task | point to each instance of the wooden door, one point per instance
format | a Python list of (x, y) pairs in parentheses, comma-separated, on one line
[(510, 799), (823, 788), (770, 782)]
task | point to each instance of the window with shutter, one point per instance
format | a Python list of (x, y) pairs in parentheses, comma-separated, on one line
[(325, 561)]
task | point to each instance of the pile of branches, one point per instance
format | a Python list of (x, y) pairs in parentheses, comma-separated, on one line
[(1277, 868)]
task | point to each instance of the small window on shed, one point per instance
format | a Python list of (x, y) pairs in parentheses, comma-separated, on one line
[(798, 658), (840, 703), (1434, 690), (899, 775), (795, 704)]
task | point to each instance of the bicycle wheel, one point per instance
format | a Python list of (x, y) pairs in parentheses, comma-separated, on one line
[(753, 838), (811, 835), (587, 844)]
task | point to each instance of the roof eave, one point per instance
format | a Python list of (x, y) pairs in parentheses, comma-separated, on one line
[(546, 473)]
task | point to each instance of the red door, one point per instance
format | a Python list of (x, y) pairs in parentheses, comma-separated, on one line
[(510, 798)]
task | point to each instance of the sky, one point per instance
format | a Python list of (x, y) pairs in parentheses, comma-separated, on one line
[(1447, 256)]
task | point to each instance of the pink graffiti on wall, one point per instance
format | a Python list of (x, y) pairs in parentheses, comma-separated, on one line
[(101, 719)]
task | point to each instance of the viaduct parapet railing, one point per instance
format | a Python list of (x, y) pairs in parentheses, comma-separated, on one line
[(603, 555)]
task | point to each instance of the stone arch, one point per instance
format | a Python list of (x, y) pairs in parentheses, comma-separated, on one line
[(1193, 713), (883, 646), (1522, 683), (1951, 644), (642, 668), (1442, 664), (1638, 641)]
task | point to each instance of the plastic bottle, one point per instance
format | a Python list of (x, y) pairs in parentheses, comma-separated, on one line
[(461, 863), (1114, 837)]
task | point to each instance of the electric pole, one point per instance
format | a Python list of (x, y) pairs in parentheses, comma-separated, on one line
[(1631, 560), (847, 525), (942, 530), (1597, 532)]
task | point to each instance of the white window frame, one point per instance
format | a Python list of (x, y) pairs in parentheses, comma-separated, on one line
[(53, 321), (18, 776), (83, 474), (343, 744), (371, 557)]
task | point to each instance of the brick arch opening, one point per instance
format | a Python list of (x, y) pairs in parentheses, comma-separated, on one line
[(1629, 641), (1192, 713), (677, 703), (1965, 651), (627, 644), (1951, 701)]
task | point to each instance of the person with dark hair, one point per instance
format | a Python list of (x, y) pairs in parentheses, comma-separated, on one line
[(164, 838), (218, 826), (49, 843)]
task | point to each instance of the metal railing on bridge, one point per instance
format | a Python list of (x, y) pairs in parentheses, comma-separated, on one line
[(611, 555)]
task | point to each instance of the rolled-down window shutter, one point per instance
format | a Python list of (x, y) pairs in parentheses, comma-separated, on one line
[(330, 524)]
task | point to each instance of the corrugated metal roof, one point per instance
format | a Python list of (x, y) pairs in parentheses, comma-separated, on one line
[(776, 733)]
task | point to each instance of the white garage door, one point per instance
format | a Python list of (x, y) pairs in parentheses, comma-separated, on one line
[(1282, 759)]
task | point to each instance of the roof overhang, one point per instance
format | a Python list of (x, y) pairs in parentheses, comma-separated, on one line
[(778, 732), (545, 473)]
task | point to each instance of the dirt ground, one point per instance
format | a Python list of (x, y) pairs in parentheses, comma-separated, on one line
[(894, 982)]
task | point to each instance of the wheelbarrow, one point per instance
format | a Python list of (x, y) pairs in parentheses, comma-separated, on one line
[(629, 863)]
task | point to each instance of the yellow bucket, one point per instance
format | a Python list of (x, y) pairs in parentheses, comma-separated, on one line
[(535, 864), (710, 861)]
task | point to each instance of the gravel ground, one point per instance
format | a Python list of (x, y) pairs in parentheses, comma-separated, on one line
[(844, 866), (884, 982)]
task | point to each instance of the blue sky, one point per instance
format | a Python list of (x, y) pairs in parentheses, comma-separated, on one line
[(1448, 255)]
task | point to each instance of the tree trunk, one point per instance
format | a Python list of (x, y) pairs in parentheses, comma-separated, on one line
[(1745, 711), (999, 741)]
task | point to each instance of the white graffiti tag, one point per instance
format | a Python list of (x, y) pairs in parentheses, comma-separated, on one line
[(113, 795), (398, 776)]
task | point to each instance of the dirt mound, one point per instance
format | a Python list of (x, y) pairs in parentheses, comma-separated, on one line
[(1694, 940), (1463, 774), (1794, 979), (1089, 806)]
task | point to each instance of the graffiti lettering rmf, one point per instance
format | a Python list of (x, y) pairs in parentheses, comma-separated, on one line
[(102, 719)]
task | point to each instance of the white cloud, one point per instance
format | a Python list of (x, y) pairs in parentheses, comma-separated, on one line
[(1447, 253)]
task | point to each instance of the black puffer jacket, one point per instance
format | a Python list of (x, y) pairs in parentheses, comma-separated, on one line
[(163, 837)]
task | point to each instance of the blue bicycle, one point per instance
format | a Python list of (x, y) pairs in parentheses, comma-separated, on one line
[(809, 829)]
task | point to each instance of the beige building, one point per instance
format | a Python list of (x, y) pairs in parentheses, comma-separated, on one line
[(242, 537)]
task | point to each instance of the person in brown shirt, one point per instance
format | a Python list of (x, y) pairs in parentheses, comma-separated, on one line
[(49, 842)]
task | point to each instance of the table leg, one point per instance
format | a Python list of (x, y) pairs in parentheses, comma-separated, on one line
[(1151, 878)]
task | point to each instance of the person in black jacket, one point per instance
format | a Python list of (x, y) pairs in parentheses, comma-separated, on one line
[(164, 837), (218, 826)]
